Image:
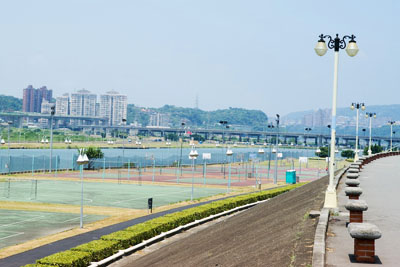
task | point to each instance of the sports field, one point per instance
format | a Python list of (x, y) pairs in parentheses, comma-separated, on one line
[(19, 226), (120, 195)]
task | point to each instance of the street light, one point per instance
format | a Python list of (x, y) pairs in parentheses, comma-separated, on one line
[(357, 106), (391, 133), (82, 160), (8, 141), (224, 125), (271, 126), (276, 155), (229, 154), (193, 156), (307, 130), (321, 49), (370, 115), (123, 144), (52, 112), (180, 159)]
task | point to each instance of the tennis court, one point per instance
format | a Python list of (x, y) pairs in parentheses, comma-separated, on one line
[(18, 226), (122, 195)]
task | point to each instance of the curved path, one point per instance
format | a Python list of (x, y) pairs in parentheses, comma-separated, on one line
[(380, 181)]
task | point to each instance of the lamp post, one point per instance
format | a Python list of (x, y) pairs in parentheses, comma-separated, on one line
[(224, 125), (261, 153), (180, 158), (276, 155), (321, 49), (8, 143), (271, 126), (229, 154), (307, 130), (123, 144), (193, 156), (391, 133), (357, 106), (370, 115), (52, 112), (82, 160)]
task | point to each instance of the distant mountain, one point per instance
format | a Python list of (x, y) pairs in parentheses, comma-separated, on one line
[(10, 103), (237, 117)]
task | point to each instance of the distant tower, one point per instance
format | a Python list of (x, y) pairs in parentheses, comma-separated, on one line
[(197, 101)]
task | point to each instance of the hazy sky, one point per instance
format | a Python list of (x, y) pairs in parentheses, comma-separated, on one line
[(250, 54)]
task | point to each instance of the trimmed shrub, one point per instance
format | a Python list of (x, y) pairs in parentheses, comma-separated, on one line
[(99, 249), (67, 258)]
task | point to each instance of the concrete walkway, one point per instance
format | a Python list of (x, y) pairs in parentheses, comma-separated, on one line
[(380, 181)]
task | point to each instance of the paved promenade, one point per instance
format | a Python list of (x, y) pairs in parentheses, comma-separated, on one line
[(380, 181)]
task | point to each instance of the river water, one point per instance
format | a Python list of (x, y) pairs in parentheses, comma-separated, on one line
[(38, 159)]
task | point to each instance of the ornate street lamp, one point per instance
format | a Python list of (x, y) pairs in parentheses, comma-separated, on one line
[(321, 49), (370, 115), (357, 106)]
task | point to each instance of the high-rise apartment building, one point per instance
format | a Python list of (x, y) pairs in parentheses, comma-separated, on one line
[(62, 105), (113, 106), (83, 103), (32, 98)]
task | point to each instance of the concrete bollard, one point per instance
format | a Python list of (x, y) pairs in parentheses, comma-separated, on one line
[(356, 208), (364, 235)]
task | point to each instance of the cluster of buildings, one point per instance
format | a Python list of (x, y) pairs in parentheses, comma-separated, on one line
[(82, 103)]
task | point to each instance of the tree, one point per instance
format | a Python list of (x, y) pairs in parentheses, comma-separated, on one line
[(347, 154), (374, 149), (323, 153), (172, 137), (93, 153)]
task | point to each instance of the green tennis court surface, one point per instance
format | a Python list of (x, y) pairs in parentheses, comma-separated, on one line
[(99, 193), (20, 226), (208, 181)]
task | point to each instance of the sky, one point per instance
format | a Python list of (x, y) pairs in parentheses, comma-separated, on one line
[(253, 54)]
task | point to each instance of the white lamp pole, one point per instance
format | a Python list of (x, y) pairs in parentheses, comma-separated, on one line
[(357, 106), (276, 155), (193, 156), (229, 154), (321, 49), (82, 160), (370, 115)]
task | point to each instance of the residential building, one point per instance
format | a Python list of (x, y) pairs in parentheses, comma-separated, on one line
[(83, 103), (159, 120), (114, 107), (62, 105), (32, 98)]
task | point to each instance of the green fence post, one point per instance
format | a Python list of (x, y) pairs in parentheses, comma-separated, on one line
[(55, 171), (204, 172)]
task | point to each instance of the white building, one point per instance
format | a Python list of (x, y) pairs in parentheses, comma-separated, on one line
[(83, 103), (159, 120), (62, 105), (114, 106)]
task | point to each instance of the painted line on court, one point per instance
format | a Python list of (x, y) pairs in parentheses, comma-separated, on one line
[(73, 219), (126, 200), (15, 234), (27, 220)]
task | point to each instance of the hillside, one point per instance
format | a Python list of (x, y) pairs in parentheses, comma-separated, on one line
[(10, 103), (238, 117)]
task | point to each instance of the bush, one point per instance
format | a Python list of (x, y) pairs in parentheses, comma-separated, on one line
[(67, 259), (347, 154), (99, 249)]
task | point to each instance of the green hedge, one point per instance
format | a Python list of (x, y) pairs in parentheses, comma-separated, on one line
[(67, 258), (99, 249), (109, 244)]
